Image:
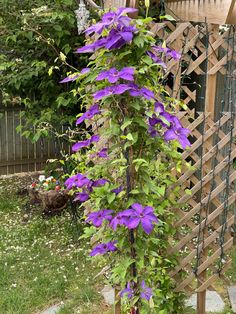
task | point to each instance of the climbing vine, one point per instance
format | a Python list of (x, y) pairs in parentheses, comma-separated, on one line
[(132, 150)]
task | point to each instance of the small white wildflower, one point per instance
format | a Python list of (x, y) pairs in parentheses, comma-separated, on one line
[(42, 178)]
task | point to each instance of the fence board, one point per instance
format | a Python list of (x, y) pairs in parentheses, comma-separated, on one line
[(18, 154)]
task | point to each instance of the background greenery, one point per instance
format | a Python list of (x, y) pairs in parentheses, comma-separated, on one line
[(37, 42)]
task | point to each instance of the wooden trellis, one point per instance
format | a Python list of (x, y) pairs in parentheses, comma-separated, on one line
[(205, 223), (213, 149)]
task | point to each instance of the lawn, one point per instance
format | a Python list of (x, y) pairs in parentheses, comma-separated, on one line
[(42, 262)]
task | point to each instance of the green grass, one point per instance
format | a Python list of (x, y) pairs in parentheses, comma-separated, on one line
[(41, 265)]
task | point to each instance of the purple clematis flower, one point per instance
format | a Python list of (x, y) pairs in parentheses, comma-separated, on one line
[(111, 90), (97, 218), (128, 291), (111, 18), (119, 220), (146, 293), (104, 248), (103, 153), (118, 37), (78, 181), (85, 70), (89, 114), (100, 43), (136, 91), (114, 75), (81, 197), (152, 131), (138, 214), (155, 120), (167, 51), (159, 107), (117, 190), (96, 183), (69, 78), (156, 59), (178, 133), (86, 143), (99, 182), (74, 76)]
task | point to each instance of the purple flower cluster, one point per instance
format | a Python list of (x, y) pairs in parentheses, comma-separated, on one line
[(167, 51), (177, 132), (174, 129), (97, 218), (121, 31), (80, 181), (76, 181), (89, 114), (112, 19), (129, 291), (134, 90), (104, 248), (133, 217), (113, 75), (157, 59), (86, 143)]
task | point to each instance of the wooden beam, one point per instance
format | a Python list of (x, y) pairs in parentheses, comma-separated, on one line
[(213, 11)]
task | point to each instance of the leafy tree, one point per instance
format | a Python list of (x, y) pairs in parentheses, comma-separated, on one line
[(37, 44)]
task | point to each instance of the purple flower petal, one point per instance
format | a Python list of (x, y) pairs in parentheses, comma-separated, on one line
[(82, 197), (80, 145), (147, 225), (146, 292), (103, 153), (97, 218), (69, 78), (104, 248), (133, 223), (92, 111), (170, 135)]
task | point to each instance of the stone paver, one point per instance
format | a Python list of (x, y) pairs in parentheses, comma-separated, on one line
[(232, 297), (214, 302), (53, 309), (108, 294)]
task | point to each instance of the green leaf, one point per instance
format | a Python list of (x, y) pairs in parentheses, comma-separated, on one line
[(125, 124), (188, 192), (138, 41), (135, 191), (167, 17), (129, 137), (147, 60), (111, 197), (161, 190), (146, 189), (151, 303)]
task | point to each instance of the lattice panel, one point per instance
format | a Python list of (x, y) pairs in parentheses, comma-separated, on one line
[(200, 222), (206, 194)]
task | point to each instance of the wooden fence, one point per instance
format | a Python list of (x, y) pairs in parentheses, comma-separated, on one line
[(18, 154), (204, 224)]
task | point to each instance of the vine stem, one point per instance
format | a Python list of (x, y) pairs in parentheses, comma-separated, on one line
[(128, 156)]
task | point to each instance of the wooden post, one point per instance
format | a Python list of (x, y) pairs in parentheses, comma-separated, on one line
[(117, 307), (209, 108)]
